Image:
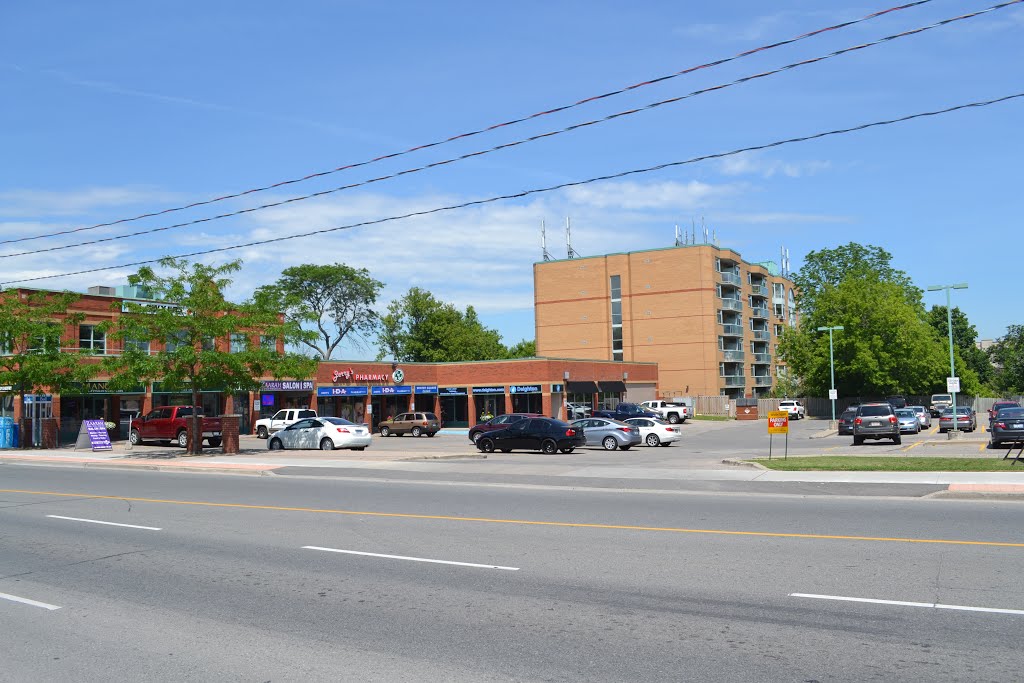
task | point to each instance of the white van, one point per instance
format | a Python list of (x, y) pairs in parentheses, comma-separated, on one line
[(282, 418)]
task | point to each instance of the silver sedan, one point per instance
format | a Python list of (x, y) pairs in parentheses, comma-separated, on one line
[(610, 434), (324, 433)]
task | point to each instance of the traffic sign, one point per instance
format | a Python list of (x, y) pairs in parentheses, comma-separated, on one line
[(778, 422), (953, 385), (833, 394)]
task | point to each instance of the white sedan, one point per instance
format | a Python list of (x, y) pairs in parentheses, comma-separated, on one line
[(325, 433), (656, 432)]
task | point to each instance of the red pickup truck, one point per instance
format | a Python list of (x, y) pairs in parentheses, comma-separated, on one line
[(170, 423)]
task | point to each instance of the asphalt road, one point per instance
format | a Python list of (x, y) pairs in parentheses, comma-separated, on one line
[(239, 579)]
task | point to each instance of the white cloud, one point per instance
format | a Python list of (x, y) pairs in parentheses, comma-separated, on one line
[(659, 195), (756, 164), (36, 203)]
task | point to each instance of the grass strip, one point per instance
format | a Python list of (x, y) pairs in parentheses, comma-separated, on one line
[(853, 463)]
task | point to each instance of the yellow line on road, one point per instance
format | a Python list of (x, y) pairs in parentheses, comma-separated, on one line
[(913, 445), (489, 520)]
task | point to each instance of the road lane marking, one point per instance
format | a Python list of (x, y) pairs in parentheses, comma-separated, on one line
[(96, 521), (411, 559), (902, 603), (913, 445), (524, 522), (26, 601)]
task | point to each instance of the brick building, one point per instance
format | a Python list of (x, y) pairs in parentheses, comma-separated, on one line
[(709, 319)]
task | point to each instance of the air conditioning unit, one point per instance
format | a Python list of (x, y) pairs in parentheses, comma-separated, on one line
[(103, 291)]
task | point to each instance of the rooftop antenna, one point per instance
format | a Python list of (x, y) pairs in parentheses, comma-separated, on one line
[(714, 237), (568, 239), (678, 243), (544, 241), (704, 228), (787, 263)]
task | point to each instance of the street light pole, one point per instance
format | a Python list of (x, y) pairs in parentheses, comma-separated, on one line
[(949, 324), (832, 368)]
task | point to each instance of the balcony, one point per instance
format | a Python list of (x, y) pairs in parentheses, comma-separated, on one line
[(762, 358), (732, 355), (759, 290), (730, 278), (762, 335), (731, 304), (734, 380), (762, 380), (758, 312), (729, 330)]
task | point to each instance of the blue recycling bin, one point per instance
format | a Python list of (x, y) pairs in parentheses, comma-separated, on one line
[(6, 432)]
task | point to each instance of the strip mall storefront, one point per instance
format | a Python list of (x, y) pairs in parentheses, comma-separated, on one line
[(463, 393)]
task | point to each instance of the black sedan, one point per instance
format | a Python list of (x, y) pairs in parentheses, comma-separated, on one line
[(543, 434), (846, 421), (1007, 427)]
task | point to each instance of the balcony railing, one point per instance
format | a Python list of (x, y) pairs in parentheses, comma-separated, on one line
[(734, 380), (732, 355), (759, 290), (762, 335), (731, 304), (762, 380), (730, 277), (762, 358), (730, 330), (757, 312)]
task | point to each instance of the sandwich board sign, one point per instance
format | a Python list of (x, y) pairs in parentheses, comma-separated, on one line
[(93, 433)]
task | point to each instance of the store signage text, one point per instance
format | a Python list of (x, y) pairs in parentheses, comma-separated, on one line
[(390, 391), (287, 385), (453, 391), (351, 375), (426, 389), (341, 391), (524, 389), (488, 390)]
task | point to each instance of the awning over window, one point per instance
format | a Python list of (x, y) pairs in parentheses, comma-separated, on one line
[(612, 387), (581, 387)]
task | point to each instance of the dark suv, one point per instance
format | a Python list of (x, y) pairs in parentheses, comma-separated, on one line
[(876, 421)]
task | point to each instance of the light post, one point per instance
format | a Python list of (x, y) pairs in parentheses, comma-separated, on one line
[(832, 369), (952, 366)]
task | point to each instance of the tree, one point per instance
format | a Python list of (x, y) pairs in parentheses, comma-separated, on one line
[(191, 325), (826, 269), (420, 328), (964, 337), (337, 300), (527, 348), (1008, 355), (32, 328)]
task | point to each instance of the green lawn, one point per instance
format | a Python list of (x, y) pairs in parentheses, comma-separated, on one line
[(852, 463)]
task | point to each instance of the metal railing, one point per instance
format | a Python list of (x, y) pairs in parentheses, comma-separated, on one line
[(759, 290), (734, 380), (762, 358), (758, 312), (730, 330), (762, 335), (732, 355), (731, 304), (730, 277)]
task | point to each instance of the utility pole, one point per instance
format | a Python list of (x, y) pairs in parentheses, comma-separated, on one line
[(832, 368)]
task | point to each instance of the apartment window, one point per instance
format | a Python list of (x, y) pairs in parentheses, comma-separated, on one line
[(238, 343), (616, 301), (48, 341), (778, 291), (268, 342), (92, 339), (778, 330), (6, 345), (176, 341), (142, 346), (208, 344)]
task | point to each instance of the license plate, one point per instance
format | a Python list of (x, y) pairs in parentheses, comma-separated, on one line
[(1017, 425), (876, 424)]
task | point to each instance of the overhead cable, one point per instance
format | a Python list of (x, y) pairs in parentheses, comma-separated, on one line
[(551, 188), (460, 136)]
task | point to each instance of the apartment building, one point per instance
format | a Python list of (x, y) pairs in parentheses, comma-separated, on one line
[(709, 319)]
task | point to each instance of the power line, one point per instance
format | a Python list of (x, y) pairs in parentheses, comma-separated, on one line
[(516, 143), (460, 136), (525, 193)]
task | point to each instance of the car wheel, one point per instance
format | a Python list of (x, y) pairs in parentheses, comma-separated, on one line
[(214, 442), (135, 438), (486, 445), (261, 432), (549, 447), (326, 445), (653, 440), (673, 419), (182, 439), (417, 432), (609, 443), (276, 445), (384, 431), (568, 450), (475, 437), (897, 440), (858, 440)]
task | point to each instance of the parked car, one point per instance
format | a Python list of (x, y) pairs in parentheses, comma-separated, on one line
[(671, 411), (281, 419), (923, 416), (325, 433), (908, 421), (416, 424), (1007, 427), (795, 409), (624, 411), (939, 403), (608, 433), (577, 411), (655, 432), (875, 421), (897, 401), (999, 405), (499, 422), (966, 421), (846, 421), (543, 434), (171, 423)]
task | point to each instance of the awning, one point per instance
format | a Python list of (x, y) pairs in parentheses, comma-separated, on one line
[(612, 386), (581, 387)]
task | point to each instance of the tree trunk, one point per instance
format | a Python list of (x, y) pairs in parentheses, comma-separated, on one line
[(196, 442)]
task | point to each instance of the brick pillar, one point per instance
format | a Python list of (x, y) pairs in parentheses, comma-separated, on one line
[(229, 434), (474, 416), (50, 432)]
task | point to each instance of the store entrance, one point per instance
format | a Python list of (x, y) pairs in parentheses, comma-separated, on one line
[(528, 403)]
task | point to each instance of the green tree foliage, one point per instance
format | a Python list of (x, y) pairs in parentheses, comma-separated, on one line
[(823, 270), (1008, 355), (336, 301), (33, 357), (527, 348), (199, 321), (964, 337), (420, 328)]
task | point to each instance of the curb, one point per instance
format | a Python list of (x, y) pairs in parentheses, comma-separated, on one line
[(473, 456), (742, 463)]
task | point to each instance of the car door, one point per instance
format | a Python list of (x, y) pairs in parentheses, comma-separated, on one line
[(535, 430), (151, 423), (279, 421), (311, 433), (296, 435), (514, 436)]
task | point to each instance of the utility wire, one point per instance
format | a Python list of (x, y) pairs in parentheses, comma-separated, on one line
[(551, 188), (516, 143), (460, 136)]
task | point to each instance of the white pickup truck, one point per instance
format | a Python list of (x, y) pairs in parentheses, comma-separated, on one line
[(673, 412), (281, 419)]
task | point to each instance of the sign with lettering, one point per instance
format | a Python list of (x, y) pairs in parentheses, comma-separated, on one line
[(524, 389), (350, 375), (390, 391), (286, 385), (453, 391), (778, 422), (93, 433), (488, 390), (341, 391), (425, 389)]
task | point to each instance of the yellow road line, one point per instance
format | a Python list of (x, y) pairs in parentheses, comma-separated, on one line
[(490, 520), (913, 445)]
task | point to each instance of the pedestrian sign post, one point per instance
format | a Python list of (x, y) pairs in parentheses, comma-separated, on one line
[(778, 423)]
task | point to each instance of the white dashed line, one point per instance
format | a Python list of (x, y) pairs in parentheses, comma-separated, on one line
[(411, 559), (26, 601), (96, 521), (901, 603)]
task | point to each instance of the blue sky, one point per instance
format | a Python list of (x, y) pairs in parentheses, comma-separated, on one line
[(118, 108)]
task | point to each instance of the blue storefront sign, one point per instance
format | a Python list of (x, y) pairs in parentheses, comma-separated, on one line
[(488, 390), (341, 391), (524, 389), (390, 391), (425, 389), (453, 391)]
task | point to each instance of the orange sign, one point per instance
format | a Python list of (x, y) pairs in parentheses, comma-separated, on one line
[(778, 422)]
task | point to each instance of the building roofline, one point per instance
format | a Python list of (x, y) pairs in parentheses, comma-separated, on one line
[(758, 264)]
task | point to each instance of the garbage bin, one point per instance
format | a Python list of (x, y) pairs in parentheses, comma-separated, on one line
[(6, 432)]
